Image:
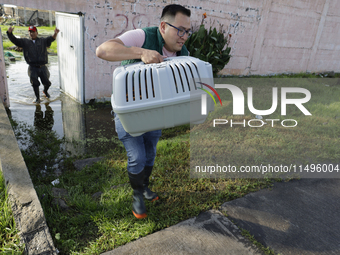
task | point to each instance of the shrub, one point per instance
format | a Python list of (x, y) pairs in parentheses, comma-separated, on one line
[(210, 46)]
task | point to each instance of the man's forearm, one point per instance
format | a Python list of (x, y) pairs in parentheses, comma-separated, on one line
[(114, 51), (13, 39)]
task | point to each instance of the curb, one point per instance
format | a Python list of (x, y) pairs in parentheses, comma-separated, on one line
[(208, 233)]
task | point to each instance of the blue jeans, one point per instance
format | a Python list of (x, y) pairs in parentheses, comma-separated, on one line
[(141, 150)]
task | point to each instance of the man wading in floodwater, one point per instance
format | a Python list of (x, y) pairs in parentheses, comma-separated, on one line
[(150, 45), (35, 53)]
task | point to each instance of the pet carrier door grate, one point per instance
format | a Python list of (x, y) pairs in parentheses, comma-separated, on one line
[(156, 96)]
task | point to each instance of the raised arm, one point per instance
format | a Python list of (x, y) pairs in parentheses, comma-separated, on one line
[(115, 50), (56, 31), (12, 38)]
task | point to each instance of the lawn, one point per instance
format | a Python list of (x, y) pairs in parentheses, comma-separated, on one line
[(278, 139), (99, 217), (94, 224)]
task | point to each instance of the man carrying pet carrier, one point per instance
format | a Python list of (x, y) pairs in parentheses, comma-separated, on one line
[(150, 45)]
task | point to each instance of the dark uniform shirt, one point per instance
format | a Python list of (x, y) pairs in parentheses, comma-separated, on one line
[(35, 53)]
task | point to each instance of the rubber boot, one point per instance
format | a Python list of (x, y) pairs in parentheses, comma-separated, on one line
[(148, 194), (45, 91), (36, 92), (138, 206)]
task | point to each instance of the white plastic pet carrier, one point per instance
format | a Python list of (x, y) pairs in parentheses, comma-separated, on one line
[(148, 97)]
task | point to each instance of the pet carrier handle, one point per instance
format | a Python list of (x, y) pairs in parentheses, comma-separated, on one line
[(169, 58)]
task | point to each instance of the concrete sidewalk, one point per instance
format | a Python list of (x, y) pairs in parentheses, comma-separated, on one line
[(295, 217), (208, 233)]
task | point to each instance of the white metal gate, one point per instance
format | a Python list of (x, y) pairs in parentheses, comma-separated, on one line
[(71, 54)]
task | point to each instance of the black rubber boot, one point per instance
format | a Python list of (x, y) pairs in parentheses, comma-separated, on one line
[(37, 95), (138, 206), (148, 194), (45, 91)]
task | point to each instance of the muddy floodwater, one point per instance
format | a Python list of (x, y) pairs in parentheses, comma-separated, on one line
[(85, 129)]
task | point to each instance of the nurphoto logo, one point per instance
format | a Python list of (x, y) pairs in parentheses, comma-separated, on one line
[(238, 105)]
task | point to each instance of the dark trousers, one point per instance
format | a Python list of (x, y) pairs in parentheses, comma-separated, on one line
[(41, 72)]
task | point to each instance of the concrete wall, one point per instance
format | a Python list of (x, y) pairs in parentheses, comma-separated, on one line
[(29, 16), (269, 36)]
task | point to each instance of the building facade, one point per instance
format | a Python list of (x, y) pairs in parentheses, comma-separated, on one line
[(269, 36)]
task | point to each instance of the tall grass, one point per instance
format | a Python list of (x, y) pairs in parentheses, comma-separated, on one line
[(9, 238)]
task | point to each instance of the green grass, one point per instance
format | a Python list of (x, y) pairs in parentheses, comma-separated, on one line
[(95, 225), (23, 32), (265, 250), (7, 44), (314, 139), (286, 75), (92, 226), (9, 238)]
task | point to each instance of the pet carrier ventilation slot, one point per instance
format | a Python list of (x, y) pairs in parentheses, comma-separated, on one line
[(148, 97)]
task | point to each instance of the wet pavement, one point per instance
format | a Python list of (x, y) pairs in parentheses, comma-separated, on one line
[(87, 130)]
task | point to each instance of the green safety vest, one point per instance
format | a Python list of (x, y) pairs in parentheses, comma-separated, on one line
[(151, 44)]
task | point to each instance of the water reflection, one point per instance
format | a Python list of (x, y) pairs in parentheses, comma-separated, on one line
[(86, 130), (43, 121), (74, 126)]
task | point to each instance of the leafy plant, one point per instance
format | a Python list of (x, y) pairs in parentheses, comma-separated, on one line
[(210, 46)]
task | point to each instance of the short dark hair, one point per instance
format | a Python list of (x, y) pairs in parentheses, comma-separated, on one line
[(171, 10)]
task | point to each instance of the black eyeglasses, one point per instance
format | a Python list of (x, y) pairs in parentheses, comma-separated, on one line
[(180, 31)]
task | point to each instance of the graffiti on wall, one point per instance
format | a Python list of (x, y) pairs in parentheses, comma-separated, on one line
[(138, 21)]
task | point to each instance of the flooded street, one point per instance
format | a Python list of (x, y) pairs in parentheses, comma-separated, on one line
[(85, 129), (21, 94)]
